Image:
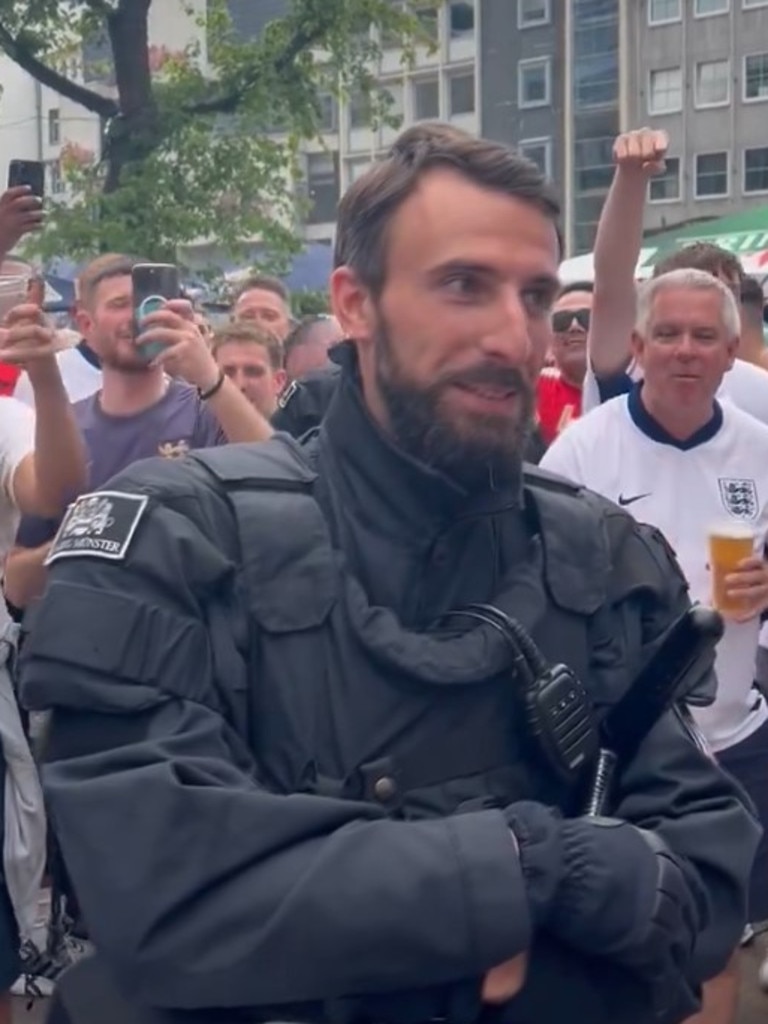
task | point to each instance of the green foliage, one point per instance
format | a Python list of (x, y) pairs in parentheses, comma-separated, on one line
[(211, 150), (309, 303)]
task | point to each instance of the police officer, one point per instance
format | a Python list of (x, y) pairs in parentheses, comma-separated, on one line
[(287, 769)]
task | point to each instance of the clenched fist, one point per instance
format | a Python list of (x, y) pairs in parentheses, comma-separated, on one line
[(643, 150), (26, 338)]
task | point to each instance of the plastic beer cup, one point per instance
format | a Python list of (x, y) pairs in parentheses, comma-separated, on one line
[(729, 544)]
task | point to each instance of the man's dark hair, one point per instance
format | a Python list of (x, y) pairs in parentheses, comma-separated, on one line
[(702, 256), (576, 286), (264, 283), (301, 332), (103, 268), (368, 206), (249, 334), (752, 300)]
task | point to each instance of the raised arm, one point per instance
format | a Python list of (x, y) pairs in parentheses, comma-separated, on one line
[(638, 156)]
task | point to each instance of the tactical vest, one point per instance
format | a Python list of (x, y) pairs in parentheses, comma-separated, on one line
[(344, 701)]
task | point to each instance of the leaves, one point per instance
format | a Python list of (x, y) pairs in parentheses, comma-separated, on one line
[(202, 143)]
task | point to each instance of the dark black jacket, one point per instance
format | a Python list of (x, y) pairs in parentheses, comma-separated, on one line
[(202, 879)]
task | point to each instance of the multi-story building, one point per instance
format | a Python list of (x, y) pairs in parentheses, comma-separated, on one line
[(699, 69), (557, 78)]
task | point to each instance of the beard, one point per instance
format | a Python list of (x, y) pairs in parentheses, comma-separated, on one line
[(475, 451), (120, 354)]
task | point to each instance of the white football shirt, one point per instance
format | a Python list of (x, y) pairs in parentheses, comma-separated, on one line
[(17, 440), (81, 378), (720, 475), (744, 384)]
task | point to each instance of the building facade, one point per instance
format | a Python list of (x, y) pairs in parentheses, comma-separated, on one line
[(699, 69), (557, 78)]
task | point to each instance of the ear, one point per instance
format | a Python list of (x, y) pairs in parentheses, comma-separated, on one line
[(351, 304), (637, 346), (281, 379), (733, 351), (83, 321)]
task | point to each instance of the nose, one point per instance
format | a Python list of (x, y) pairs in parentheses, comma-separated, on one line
[(507, 338), (685, 346)]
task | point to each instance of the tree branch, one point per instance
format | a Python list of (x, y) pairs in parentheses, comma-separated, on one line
[(19, 54), (228, 102)]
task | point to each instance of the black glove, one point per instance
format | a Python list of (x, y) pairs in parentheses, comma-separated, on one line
[(609, 889)]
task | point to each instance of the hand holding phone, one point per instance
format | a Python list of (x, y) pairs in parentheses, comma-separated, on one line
[(21, 210), (154, 284)]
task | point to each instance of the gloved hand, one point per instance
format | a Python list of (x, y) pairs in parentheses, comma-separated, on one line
[(607, 888)]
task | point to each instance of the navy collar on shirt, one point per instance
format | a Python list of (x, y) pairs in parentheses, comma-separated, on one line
[(88, 354), (654, 430)]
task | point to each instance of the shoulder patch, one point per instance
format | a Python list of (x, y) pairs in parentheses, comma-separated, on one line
[(101, 525), (288, 394)]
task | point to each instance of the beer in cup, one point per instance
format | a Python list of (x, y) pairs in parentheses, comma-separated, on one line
[(729, 544)]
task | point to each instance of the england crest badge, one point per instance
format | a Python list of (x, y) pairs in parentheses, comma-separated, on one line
[(739, 498)]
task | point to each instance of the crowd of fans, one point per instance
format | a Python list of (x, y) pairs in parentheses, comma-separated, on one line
[(82, 405)]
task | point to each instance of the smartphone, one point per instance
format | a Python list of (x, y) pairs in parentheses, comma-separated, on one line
[(153, 284), (27, 172)]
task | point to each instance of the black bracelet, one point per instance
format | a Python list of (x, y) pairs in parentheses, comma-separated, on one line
[(213, 389)]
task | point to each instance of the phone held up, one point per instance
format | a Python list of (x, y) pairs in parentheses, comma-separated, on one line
[(27, 172), (153, 285)]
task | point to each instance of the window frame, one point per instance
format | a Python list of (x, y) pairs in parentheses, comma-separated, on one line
[(717, 195)]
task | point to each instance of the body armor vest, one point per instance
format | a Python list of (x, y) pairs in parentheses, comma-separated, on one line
[(344, 701)]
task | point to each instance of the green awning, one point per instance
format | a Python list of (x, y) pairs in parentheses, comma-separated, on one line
[(745, 234)]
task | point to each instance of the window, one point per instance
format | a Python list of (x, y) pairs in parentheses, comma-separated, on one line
[(426, 99), (702, 8), (711, 175), (357, 168), (540, 151), (593, 164), (428, 25), (756, 169), (662, 11), (54, 127), (532, 12), (754, 3), (329, 113), (359, 110), (533, 82), (461, 94), (322, 186), (55, 180), (393, 96), (666, 91), (461, 19), (713, 83), (756, 77), (665, 188)]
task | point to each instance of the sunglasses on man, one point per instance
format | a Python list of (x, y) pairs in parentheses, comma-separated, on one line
[(563, 318)]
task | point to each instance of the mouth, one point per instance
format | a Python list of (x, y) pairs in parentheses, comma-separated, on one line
[(489, 392)]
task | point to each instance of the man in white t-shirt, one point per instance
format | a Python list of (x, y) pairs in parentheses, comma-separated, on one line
[(42, 467), (638, 156), (674, 457)]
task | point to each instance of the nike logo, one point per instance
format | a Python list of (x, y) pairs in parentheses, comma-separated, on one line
[(633, 499)]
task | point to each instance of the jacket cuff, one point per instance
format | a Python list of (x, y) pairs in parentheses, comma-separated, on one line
[(498, 918)]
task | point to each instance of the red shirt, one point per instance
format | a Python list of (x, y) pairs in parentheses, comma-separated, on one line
[(558, 402), (8, 377)]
